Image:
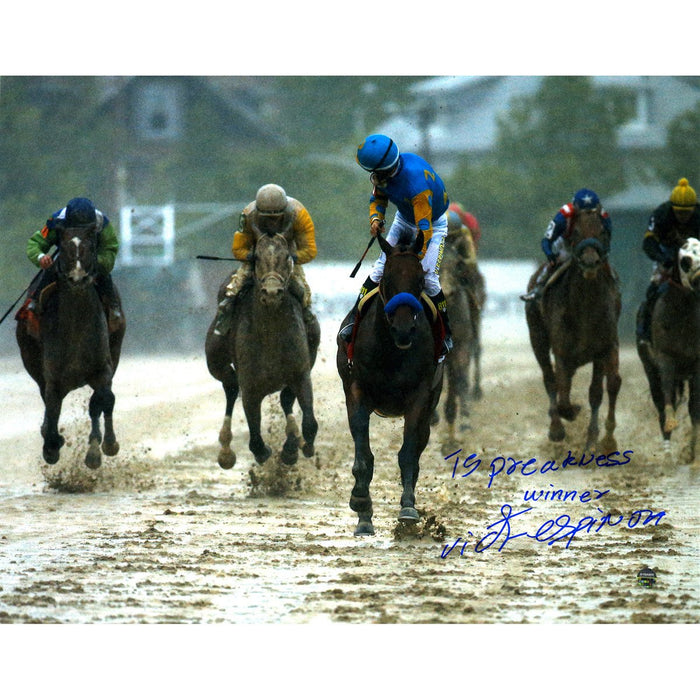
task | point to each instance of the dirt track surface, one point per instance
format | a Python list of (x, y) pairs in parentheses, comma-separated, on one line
[(161, 534)]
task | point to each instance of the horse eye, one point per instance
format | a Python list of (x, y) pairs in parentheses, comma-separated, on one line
[(686, 263)]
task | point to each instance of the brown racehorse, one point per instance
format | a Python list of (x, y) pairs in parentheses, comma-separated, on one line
[(465, 291), (393, 373), (268, 349), (673, 359), (576, 321), (75, 346)]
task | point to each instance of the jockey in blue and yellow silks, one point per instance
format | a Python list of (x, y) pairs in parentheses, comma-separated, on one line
[(411, 184)]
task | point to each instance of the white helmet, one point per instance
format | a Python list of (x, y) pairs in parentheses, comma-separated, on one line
[(271, 200)]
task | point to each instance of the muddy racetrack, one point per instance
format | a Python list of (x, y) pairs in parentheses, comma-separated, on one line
[(161, 534)]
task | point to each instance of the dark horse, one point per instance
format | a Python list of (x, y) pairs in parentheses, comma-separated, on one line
[(75, 346), (393, 373), (576, 320), (674, 355), (267, 350), (465, 292)]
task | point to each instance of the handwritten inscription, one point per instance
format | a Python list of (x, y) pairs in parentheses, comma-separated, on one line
[(559, 529), (471, 464)]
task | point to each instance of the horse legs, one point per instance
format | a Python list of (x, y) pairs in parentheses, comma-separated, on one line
[(290, 449), (415, 437), (477, 392), (668, 389), (229, 382), (613, 382), (53, 441), (690, 455), (309, 425), (101, 402), (539, 340), (256, 444), (363, 466)]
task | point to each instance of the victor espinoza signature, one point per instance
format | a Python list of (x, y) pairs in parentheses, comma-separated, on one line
[(565, 528), (561, 528)]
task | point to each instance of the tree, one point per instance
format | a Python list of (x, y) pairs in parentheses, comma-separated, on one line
[(681, 156), (548, 145)]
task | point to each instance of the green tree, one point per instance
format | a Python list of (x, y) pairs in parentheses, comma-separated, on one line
[(548, 145), (681, 153)]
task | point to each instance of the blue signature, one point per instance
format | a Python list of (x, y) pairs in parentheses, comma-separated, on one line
[(511, 465), (561, 528)]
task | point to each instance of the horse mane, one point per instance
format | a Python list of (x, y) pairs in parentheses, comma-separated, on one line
[(405, 240)]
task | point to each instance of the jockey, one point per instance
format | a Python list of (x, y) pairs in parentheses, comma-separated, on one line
[(80, 211), (555, 243), (412, 185), (470, 221), (461, 241), (272, 211), (670, 225)]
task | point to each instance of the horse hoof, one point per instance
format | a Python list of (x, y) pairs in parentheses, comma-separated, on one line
[(308, 450), (227, 459), (569, 412), (110, 448), (51, 456), (262, 457), (288, 457), (408, 515), (93, 459), (557, 434), (364, 528)]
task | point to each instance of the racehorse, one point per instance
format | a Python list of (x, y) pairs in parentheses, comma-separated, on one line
[(673, 359), (392, 371), (268, 349), (465, 293), (75, 347), (576, 320)]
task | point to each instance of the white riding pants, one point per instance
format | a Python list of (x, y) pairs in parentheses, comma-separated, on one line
[(433, 255)]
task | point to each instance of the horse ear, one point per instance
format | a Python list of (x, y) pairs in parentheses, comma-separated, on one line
[(384, 245), (418, 243)]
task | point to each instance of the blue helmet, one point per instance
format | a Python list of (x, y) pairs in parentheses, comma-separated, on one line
[(80, 212), (377, 152), (586, 199)]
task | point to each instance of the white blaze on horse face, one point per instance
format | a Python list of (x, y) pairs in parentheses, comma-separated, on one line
[(77, 273), (689, 262)]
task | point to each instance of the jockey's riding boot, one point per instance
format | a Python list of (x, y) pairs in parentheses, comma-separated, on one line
[(105, 289), (223, 316), (345, 332), (540, 284), (644, 315), (441, 305)]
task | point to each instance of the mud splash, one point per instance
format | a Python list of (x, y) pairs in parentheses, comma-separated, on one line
[(161, 534)]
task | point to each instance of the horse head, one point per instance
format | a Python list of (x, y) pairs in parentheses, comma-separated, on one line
[(689, 265), (590, 242), (273, 267), (77, 262), (401, 287)]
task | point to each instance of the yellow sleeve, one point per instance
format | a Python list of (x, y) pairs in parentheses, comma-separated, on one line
[(243, 239), (304, 236), (423, 214)]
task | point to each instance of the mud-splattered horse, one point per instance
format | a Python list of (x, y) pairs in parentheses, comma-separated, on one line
[(576, 320), (268, 349), (465, 291), (394, 373), (75, 346), (674, 355)]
